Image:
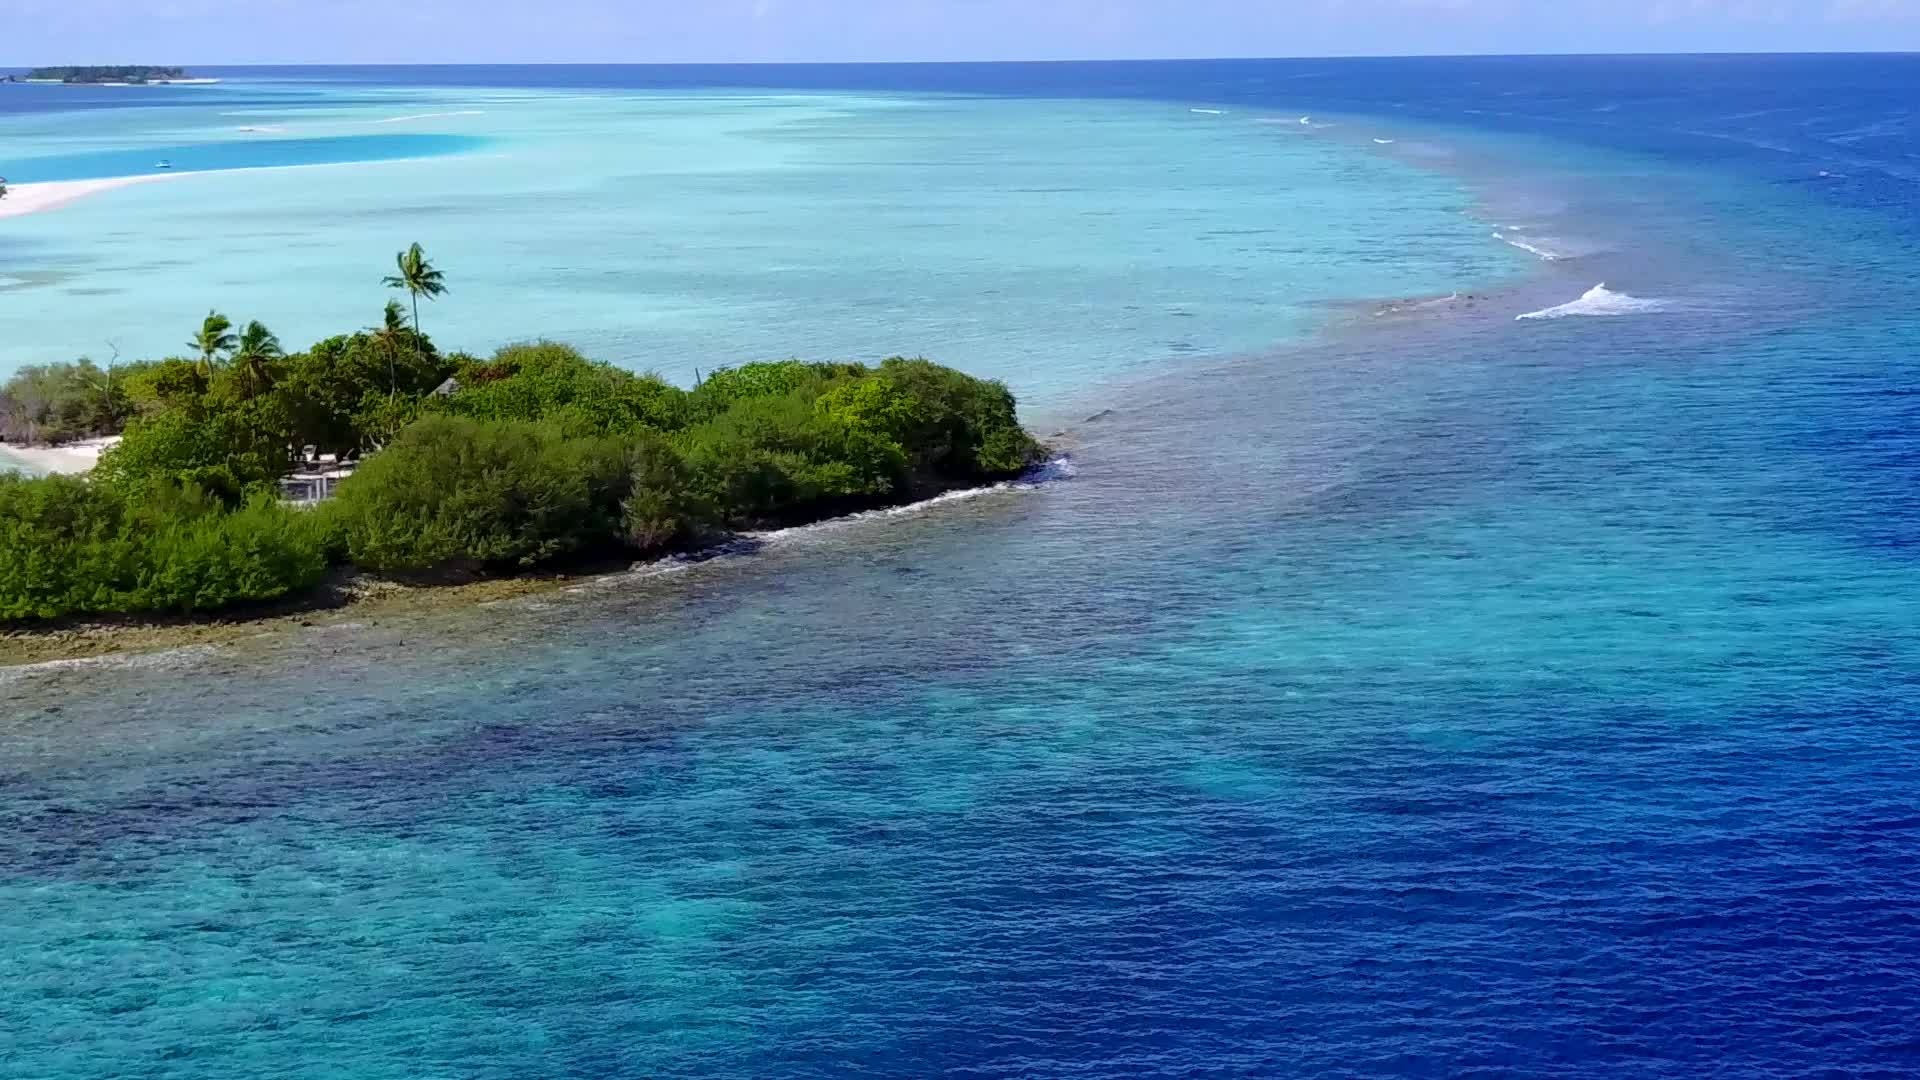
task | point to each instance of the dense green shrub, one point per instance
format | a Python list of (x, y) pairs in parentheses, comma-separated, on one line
[(554, 383), (719, 390), (72, 547), (456, 493), (335, 389), (767, 459), (661, 506), (164, 384), (958, 427), (55, 403), (221, 445)]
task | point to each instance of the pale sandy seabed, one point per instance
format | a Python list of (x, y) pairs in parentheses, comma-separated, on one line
[(73, 457), (24, 199)]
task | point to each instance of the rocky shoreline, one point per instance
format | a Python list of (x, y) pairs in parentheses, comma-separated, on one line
[(359, 597), (359, 601)]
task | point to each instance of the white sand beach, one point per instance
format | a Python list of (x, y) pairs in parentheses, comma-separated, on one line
[(23, 199), (73, 457)]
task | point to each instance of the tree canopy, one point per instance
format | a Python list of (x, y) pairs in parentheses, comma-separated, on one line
[(532, 457)]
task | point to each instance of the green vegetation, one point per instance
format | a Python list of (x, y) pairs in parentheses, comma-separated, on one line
[(534, 457), (58, 403), (132, 73), (418, 277), (70, 547)]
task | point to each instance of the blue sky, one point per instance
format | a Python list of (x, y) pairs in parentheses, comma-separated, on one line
[(368, 31)]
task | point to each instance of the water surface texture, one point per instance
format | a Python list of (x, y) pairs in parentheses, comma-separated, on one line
[(1419, 691), (1050, 242)]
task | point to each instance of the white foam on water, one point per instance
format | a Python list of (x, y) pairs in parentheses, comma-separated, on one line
[(1420, 305), (431, 116), (1059, 468), (1598, 301), (1209, 112), (154, 660), (1531, 247)]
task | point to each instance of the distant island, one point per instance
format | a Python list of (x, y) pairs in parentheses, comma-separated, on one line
[(122, 75), (245, 476)]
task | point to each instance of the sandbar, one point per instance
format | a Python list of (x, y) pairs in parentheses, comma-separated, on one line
[(24, 199)]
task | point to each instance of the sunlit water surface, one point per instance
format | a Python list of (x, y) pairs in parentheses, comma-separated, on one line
[(1422, 693)]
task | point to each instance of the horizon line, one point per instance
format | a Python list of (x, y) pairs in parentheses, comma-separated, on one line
[(1015, 60)]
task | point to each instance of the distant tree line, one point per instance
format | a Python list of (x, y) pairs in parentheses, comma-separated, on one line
[(130, 73)]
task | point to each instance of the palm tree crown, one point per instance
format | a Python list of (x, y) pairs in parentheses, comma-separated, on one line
[(253, 357), (419, 278), (393, 322), (214, 338)]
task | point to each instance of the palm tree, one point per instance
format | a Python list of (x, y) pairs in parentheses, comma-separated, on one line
[(214, 338), (393, 323), (254, 356), (391, 334), (419, 278)]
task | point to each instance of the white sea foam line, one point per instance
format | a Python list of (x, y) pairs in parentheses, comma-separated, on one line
[(1598, 301), (430, 116), (1531, 249), (924, 505), (165, 658), (1059, 468)]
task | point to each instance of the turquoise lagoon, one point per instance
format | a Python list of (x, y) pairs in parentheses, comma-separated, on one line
[(1048, 243), (1409, 691)]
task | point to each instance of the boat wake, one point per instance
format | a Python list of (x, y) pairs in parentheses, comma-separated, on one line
[(1598, 300)]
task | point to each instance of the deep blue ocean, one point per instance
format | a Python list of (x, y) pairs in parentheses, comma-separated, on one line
[(1436, 694)]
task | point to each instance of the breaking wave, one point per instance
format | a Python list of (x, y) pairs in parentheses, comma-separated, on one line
[(1598, 300)]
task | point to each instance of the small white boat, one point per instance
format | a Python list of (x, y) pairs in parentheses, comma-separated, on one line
[(163, 163)]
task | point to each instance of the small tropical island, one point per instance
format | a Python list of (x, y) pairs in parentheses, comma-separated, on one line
[(120, 75), (430, 468)]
